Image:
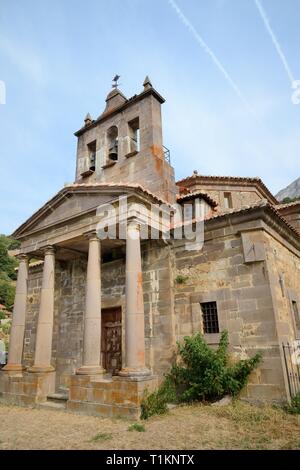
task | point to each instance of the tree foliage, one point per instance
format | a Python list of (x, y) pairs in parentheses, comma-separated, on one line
[(287, 200), (7, 271)]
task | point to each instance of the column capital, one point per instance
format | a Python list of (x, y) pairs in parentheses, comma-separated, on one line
[(49, 250), (134, 222), (91, 235), (22, 257)]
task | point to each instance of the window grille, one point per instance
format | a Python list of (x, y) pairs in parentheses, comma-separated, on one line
[(210, 317)]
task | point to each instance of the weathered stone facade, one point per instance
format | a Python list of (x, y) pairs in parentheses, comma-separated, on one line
[(121, 304)]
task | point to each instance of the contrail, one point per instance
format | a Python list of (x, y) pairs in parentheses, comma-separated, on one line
[(212, 55), (275, 41)]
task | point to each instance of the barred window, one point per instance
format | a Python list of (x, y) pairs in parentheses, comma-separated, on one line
[(210, 317)]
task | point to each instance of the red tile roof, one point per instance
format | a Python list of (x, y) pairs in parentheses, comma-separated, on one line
[(201, 194), (235, 180)]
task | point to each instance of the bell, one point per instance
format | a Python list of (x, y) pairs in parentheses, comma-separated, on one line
[(113, 152)]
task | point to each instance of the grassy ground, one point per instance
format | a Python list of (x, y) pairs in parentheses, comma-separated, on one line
[(237, 426)]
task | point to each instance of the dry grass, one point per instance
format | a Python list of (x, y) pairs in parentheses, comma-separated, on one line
[(237, 426)]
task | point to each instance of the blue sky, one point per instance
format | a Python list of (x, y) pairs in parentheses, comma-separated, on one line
[(57, 59)]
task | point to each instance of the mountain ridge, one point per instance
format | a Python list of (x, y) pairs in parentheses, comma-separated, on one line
[(292, 191)]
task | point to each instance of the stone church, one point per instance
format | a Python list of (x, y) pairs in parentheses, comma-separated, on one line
[(96, 321)]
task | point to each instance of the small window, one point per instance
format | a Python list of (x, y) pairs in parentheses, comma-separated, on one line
[(228, 201), (296, 314), (210, 317), (134, 135), (92, 155)]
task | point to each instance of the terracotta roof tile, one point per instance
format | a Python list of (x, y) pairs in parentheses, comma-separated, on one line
[(288, 204), (258, 205), (231, 179), (201, 194)]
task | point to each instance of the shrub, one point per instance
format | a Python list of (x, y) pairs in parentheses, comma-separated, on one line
[(156, 402), (203, 374), (294, 406)]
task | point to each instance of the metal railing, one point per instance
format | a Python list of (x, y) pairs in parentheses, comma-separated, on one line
[(167, 155), (291, 354)]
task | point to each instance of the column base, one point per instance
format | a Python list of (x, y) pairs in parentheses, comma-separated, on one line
[(134, 372), (40, 369), (90, 370), (13, 367)]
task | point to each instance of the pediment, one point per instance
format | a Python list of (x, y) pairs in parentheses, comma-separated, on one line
[(66, 205)]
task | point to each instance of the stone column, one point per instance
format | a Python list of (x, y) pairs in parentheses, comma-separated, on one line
[(18, 319), (92, 318), (43, 345), (134, 319)]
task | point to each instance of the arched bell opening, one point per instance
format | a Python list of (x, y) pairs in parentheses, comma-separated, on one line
[(112, 137)]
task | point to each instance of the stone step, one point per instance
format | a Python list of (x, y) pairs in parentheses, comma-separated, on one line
[(50, 405), (58, 397)]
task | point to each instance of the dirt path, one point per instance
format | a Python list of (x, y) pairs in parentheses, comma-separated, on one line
[(237, 426)]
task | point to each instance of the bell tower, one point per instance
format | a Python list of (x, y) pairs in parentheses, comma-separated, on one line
[(124, 144)]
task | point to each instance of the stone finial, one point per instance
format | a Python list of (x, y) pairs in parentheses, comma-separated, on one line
[(147, 83), (87, 120), (195, 172)]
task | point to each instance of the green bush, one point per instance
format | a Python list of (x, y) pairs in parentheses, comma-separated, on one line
[(206, 374), (202, 374), (2, 315), (7, 293), (156, 402), (294, 406)]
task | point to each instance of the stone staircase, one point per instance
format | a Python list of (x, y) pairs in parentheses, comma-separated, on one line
[(56, 401)]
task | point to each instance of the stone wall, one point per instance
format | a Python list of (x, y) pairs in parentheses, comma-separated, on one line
[(292, 214), (241, 196), (116, 397), (244, 301), (284, 273), (158, 305)]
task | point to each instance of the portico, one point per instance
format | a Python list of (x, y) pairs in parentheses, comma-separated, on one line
[(134, 317)]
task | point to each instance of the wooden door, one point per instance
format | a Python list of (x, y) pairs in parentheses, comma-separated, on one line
[(112, 339)]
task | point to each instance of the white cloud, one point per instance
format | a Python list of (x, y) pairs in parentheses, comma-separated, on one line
[(25, 59)]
